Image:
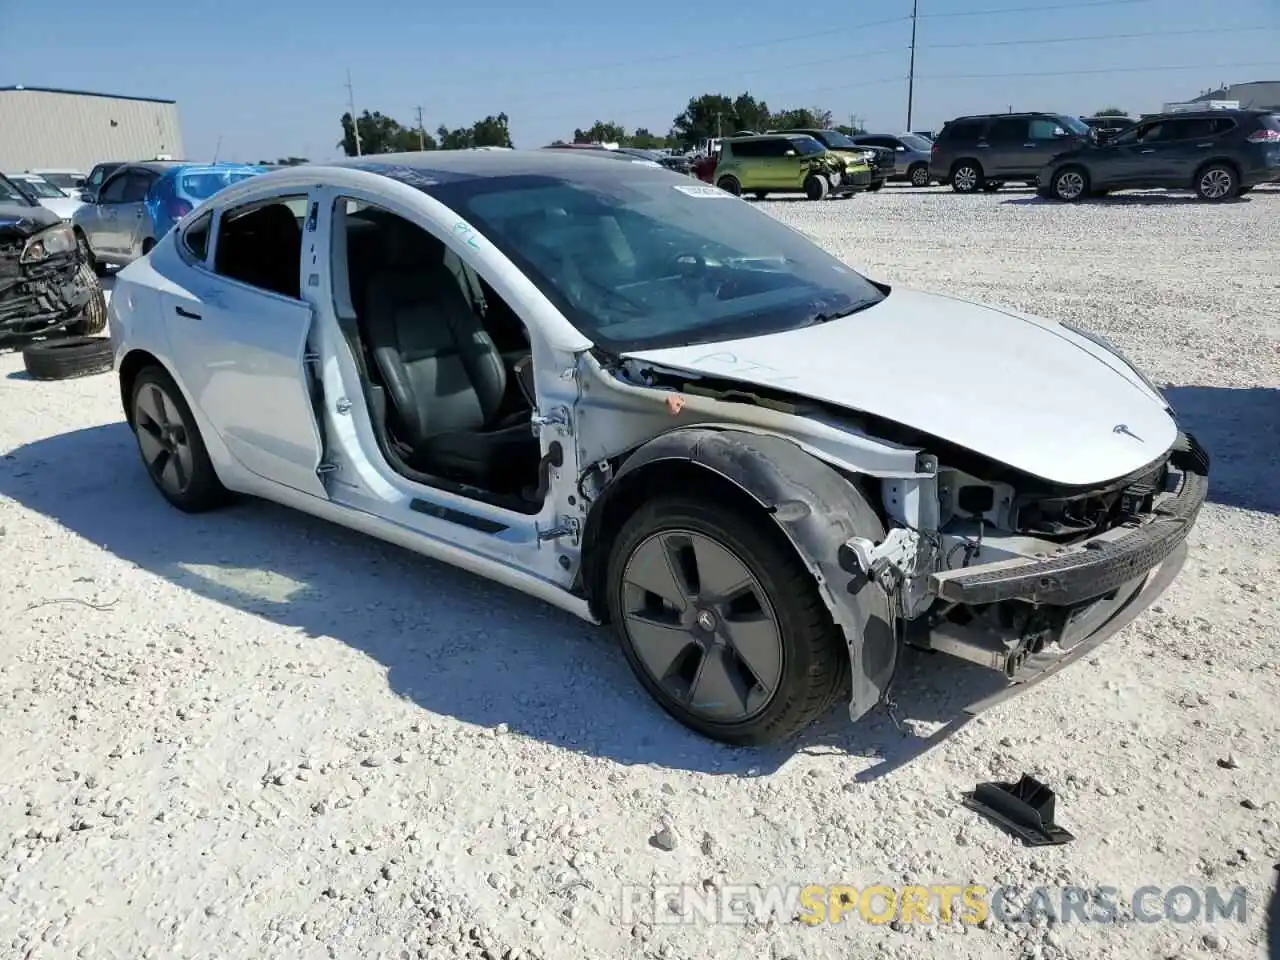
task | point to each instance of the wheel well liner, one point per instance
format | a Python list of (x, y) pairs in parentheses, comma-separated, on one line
[(814, 506)]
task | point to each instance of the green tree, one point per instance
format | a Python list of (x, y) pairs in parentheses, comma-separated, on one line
[(492, 131), (602, 132), (291, 161), (706, 116), (378, 134), (802, 118), (645, 140), (750, 113), (1111, 112)]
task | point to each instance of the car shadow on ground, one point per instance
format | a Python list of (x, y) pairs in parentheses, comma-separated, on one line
[(453, 643), (1128, 200), (1240, 427)]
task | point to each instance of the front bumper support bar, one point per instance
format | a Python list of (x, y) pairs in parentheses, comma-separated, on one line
[(1103, 565)]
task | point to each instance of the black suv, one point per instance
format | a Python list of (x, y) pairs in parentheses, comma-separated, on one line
[(1220, 154), (984, 152)]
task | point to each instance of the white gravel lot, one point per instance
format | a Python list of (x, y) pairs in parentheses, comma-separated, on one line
[(260, 736)]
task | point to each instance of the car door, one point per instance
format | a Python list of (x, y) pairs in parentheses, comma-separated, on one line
[(131, 213), (98, 220), (1136, 158), (1184, 144), (240, 332), (1007, 146), (1046, 138)]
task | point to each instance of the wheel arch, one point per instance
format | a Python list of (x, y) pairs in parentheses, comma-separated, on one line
[(1215, 161), (132, 364), (814, 507), (955, 165)]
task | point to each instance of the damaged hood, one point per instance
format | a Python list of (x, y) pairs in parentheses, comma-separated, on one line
[(18, 220), (1017, 389)]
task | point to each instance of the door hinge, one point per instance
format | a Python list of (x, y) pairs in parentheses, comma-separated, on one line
[(565, 527), (311, 358), (557, 417), (343, 405)]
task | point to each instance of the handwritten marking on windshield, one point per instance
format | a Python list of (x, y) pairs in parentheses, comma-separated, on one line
[(744, 368)]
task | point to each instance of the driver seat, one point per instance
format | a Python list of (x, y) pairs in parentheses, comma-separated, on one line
[(444, 377)]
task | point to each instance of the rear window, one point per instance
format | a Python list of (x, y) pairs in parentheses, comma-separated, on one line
[(962, 130), (202, 186), (1271, 121)]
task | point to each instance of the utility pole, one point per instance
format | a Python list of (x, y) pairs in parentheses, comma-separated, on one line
[(351, 102), (422, 132), (911, 69), (719, 130)]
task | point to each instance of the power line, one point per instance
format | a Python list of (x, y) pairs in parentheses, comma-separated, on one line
[(1081, 73), (1032, 9), (1095, 37)]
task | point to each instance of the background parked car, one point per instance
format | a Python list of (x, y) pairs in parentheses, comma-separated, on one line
[(98, 175), (910, 153), (879, 161), (46, 194), (984, 152), (139, 202), (1220, 154), (44, 286), (787, 163), (68, 180)]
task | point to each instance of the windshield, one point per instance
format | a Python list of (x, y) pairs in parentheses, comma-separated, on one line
[(837, 140), (919, 144), (1075, 125), (9, 193), (807, 146), (202, 186), (41, 188), (652, 261), (63, 181)]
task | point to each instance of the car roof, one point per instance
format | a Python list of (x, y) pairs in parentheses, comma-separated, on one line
[(778, 135), (467, 164)]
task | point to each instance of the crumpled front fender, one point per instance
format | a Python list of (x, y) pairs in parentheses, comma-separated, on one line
[(816, 508)]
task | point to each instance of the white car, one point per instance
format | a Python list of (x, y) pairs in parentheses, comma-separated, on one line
[(647, 402), (66, 180), (47, 195)]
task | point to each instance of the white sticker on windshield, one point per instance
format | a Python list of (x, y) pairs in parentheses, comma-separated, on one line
[(701, 190)]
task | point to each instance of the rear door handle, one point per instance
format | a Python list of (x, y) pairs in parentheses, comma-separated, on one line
[(1028, 144), (186, 313), (1204, 145), (1148, 150)]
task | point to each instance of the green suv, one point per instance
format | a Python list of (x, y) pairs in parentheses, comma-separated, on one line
[(787, 163)]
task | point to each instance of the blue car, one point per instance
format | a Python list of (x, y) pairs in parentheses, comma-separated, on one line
[(182, 188)]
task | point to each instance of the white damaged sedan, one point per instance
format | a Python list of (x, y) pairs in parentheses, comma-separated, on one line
[(643, 400)]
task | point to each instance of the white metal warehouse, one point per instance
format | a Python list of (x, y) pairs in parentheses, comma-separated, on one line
[(43, 128)]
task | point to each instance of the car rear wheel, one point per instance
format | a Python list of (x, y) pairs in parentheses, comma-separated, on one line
[(760, 194), (991, 186), (875, 185), (1070, 184), (730, 185), (919, 175), (721, 622), (815, 187), (171, 446), (966, 177), (1217, 182)]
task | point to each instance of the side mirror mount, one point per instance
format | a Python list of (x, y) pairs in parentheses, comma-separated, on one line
[(901, 149), (789, 153), (86, 197)]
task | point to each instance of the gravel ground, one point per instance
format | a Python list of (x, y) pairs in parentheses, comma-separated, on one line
[(253, 735)]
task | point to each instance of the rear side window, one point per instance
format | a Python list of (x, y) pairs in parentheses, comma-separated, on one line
[(1221, 125), (747, 149), (261, 246), (1008, 129), (962, 130)]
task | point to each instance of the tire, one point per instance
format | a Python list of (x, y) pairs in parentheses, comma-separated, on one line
[(86, 254), (918, 174), (966, 177), (65, 357), (147, 246), (1070, 184), (805, 659), (1242, 191), (93, 320), (875, 185), (169, 438), (815, 187), (1217, 182), (991, 186), (730, 185), (759, 194)]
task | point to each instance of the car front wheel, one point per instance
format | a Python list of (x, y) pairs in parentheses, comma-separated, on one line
[(721, 622), (171, 446)]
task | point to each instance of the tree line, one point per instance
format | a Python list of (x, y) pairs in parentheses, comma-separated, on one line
[(705, 116)]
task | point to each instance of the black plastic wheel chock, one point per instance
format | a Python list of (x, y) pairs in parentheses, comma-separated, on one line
[(1024, 809)]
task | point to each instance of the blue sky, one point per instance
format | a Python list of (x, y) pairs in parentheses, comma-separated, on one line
[(269, 76)]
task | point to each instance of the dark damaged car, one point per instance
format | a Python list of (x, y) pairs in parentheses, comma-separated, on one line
[(45, 287)]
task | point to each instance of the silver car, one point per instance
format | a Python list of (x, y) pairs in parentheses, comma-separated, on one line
[(911, 153), (112, 227), (649, 403)]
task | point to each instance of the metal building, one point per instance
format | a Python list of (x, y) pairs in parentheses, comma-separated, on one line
[(73, 130)]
